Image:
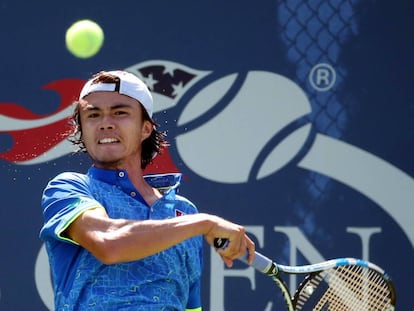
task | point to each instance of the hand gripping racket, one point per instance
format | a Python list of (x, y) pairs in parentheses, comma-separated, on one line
[(343, 284)]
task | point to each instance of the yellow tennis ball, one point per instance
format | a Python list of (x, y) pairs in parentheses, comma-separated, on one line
[(84, 38)]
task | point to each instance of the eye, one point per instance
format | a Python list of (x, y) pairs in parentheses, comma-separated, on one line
[(120, 112), (93, 115)]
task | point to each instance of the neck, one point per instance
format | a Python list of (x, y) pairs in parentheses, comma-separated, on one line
[(136, 177), (149, 194)]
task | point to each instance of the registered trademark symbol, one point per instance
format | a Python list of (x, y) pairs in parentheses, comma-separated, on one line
[(322, 77)]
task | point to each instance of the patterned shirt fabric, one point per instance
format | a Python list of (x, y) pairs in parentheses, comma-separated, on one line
[(169, 280)]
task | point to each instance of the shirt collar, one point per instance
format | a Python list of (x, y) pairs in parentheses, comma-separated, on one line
[(163, 182)]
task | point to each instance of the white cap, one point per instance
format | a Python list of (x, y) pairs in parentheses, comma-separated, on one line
[(129, 85)]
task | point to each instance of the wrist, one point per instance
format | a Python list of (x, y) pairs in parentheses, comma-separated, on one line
[(204, 223), (207, 223)]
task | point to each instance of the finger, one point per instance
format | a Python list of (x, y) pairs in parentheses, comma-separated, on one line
[(227, 261), (251, 250)]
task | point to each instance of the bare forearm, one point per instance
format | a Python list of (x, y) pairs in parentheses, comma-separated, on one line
[(132, 240), (121, 240)]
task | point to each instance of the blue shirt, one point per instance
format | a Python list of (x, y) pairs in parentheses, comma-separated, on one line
[(169, 280)]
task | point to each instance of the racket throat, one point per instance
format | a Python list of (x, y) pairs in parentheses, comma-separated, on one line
[(271, 269)]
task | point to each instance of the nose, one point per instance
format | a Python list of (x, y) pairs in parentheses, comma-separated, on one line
[(107, 123)]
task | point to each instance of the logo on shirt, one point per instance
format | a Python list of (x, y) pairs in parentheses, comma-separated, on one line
[(179, 213)]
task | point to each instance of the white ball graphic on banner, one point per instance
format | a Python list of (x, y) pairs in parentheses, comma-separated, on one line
[(226, 147)]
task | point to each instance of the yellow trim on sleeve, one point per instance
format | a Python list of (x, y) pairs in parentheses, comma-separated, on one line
[(65, 238), (196, 309)]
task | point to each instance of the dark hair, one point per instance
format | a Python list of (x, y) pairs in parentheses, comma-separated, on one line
[(151, 146)]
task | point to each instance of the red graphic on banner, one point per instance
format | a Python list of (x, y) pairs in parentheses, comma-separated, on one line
[(162, 163), (34, 135), (47, 131)]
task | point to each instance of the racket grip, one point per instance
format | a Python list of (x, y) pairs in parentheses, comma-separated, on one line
[(261, 263)]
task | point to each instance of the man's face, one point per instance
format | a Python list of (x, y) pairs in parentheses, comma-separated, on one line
[(113, 129)]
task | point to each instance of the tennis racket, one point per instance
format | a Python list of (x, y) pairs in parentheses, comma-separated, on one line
[(343, 284)]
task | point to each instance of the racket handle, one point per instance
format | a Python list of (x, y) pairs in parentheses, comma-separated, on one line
[(260, 262)]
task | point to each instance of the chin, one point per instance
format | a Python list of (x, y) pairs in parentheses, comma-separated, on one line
[(107, 162)]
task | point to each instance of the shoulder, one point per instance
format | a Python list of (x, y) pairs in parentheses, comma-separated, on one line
[(187, 206), (68, 180), (169, 184), (69, 176)]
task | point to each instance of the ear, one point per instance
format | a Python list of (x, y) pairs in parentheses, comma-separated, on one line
[(147, 129)]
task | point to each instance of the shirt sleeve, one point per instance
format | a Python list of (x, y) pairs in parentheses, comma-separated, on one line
[(65, 198), (194, 297), (194, 300)]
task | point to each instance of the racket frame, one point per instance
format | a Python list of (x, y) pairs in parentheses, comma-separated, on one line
[(274, 270)]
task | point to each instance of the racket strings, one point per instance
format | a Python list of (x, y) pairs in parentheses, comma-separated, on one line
[(346, 288)]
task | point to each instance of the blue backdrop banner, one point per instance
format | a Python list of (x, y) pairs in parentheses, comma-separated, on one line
[(293, 118)]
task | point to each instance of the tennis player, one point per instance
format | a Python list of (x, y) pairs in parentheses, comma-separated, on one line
[(112, 235)]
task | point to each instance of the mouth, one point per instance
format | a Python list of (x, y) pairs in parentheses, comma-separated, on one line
[(107, 140)]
